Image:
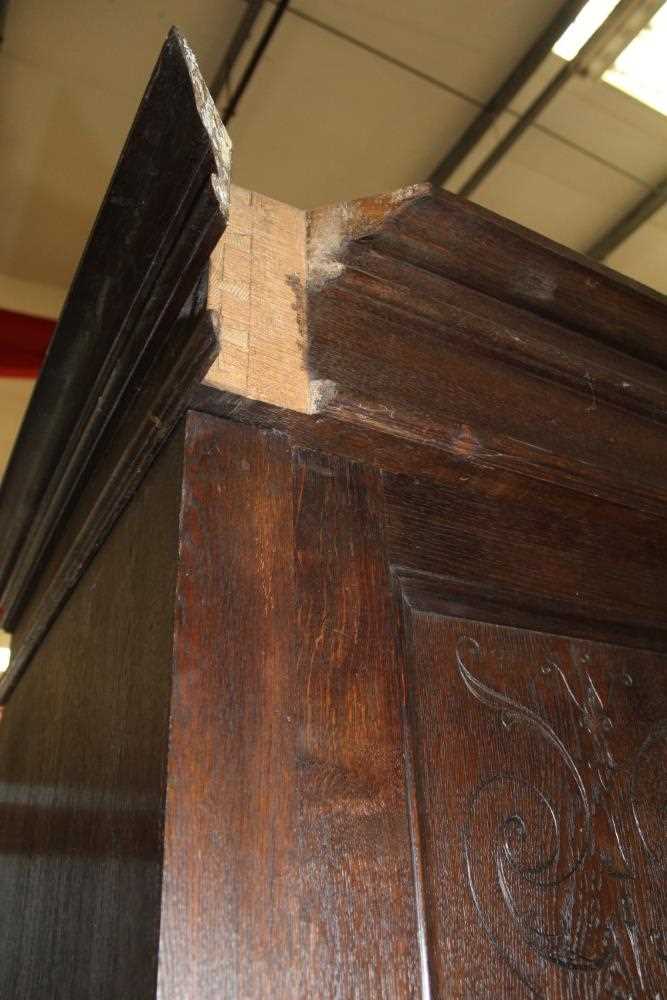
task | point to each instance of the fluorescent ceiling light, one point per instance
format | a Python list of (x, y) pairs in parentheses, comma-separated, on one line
[(585, 24), (641, 68)]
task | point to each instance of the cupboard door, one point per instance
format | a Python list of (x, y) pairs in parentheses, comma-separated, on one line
[(538, 777)]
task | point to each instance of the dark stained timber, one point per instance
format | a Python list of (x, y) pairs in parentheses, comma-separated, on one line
[(126, 452), (133, 338), (286, 669), (165, 209), (362, 700), (357, 895), (545, 557), (437, 320), (539, 764), (83, 746), (491, 543), (229, 898)]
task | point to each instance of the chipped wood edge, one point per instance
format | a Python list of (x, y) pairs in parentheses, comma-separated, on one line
[(332, 228), (270, 257), (256, 288)]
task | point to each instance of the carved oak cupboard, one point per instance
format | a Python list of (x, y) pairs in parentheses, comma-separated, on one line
[(334, 554)]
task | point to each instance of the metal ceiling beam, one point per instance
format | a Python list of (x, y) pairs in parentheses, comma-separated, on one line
[(509, 88), (612, 24), (241, 36), (4, 4), (230, 108), (651, 203)]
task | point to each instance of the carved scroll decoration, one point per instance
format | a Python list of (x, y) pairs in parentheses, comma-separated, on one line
[(538, 847)]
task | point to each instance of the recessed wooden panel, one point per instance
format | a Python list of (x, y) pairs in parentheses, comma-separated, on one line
[(540, 765), (507, 550)]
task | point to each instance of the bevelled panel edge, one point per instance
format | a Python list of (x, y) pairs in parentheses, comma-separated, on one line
[(137, 306), (130, 448)]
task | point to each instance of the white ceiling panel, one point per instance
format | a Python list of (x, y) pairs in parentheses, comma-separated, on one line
[(58, 153), (470, 46), (112, 45), (660, 219), (611, 126), (71, 77), (323, 120), (643, 255), (369, 99), (556, 190)]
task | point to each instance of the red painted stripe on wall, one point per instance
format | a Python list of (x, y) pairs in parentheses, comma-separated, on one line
[(23, 343)]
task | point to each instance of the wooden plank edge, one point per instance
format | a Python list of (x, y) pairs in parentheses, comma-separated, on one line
[(274, 260), (361, 430), (90, 374), (130, 449), (458, 598)]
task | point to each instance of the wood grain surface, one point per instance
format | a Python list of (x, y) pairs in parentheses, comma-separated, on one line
[(496, 543), (287, 866), (356, 891), (389, 800), (83, 746), (363, 697), (228, 900), (540, 775), (565, 561), (256, 282), (431, 318), (133, 338)]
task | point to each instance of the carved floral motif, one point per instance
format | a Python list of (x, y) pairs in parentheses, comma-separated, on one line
[(562, 850)]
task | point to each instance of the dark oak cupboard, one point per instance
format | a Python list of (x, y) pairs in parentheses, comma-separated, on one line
[(334, 554)]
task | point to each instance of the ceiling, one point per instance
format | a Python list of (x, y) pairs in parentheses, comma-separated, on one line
[(351, 97)]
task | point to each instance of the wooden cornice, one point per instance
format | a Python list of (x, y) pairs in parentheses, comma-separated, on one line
[(421, 315), (134, 336), (413, 331)]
